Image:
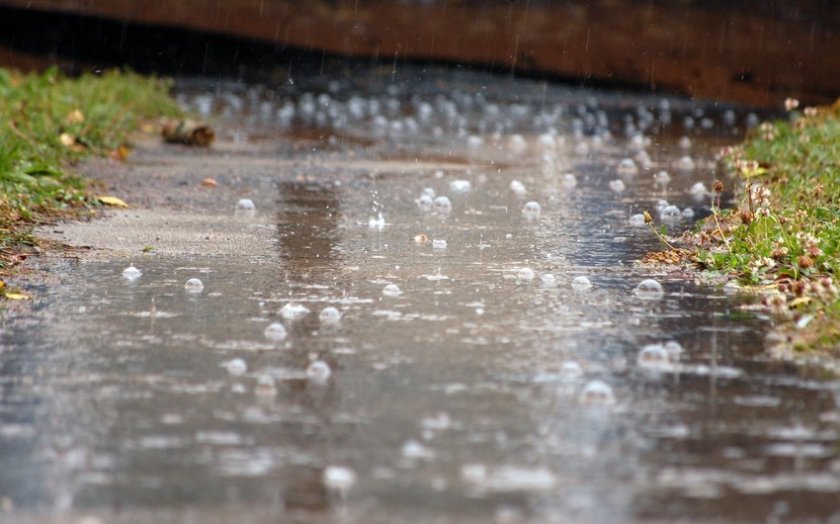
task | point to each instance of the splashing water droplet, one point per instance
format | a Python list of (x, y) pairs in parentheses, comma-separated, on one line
[(391, 290), (571, 370), (517, 187), (377, 223), (318, 372), (597, 393), (329, 315), (460, 186), (649, 289), (581, 283), (617, 185), (531, 210), (194, 285), (338, 478), (131, 273), (292, 311), (654, 357), (275, 331), (525, 274)]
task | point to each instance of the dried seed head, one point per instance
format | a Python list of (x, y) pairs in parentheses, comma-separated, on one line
[(805, 262), (746, 216), (717, 186)]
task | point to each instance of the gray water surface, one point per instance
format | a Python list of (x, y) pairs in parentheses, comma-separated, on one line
[(457, 400)]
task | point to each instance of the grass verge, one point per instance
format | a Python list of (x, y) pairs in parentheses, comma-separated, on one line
[(48, 123), (783, 239)]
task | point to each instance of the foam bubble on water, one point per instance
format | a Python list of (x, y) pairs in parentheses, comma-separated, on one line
[(474, 141), (582, 149), (429, 191), (442, 205), (649, 289), (131, 273), (627, 167), (670, 213), (438, 243), (338, 478), (517, 187), (517, 144), (424, 203), (531, 210), (546, 141), (525, 274), (637, 220), (617, 185), (293, 311), (437, 422), (685, 143), (391, 290), (661, 178), (548, 280), (265, 386), (569, 181), (674, 349), (685, 163), (752, 120), (194, 285), (597, 393), (245, 204), (661, 204), (329, 315), (654, 357), (460, 186), (581, 283), (236, 367), (275, 331), (318, 372), (698, 189), (688, 213)]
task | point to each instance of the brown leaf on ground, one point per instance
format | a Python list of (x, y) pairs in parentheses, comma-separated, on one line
[(670, 256)]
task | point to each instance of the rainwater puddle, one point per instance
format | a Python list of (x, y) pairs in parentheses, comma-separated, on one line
[(461, 376)]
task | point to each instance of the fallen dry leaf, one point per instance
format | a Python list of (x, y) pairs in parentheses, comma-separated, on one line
[(209, 182), (112, 201), (16, 296)]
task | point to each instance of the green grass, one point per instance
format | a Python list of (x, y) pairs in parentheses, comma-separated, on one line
[(47, 124), (784, 236)]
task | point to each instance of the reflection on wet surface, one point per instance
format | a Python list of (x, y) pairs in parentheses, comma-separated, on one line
[(488, 387)]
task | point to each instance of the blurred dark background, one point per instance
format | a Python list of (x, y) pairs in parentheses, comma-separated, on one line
[(739, 51)]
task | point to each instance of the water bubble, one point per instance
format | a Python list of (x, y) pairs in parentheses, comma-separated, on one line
[(131, 273), (438, 243), (661, 204), (428, 191), (597, 393), (424, 203), (674, 349), (571, 370), (685, 143), (391, 290), (194, 285), (617, 185), (338, 478), (637, 220), (654, 357), (293, 311), (581, 283), (329, 315), (698, 189), (546, 141), (442, 205), (265, 386), (517, 144), (649, 289), (582, 149), (685, 163), (414, 450), (318, 372), (245, 204), (729, 118), (275, 331), (627, 167), (670, 214), (236, 367), (517, 187), (531, 210), (548, 280), (569, 181), (688, 213), (460, 186), (661, 178), (474, 141), (752, 120), (525, 274)]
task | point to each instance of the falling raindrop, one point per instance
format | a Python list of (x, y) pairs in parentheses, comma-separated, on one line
[(194, 285), (649, 289), (275, 332), (329, 315), (531, 210), (391, 290), (131, 273)]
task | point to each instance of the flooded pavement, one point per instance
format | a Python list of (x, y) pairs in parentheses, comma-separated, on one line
[(366, 350)]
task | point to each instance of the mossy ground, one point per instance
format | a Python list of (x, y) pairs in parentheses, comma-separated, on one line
[(48, 123), (784, 236)]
